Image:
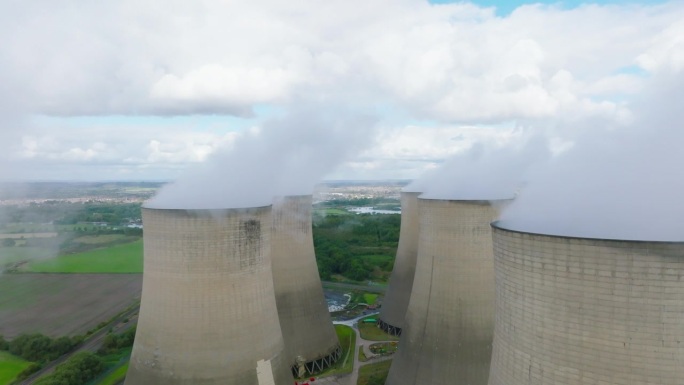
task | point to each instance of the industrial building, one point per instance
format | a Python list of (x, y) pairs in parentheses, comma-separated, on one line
[(394, 306), (447, 336), (208, 314), (311, 343), (575, 310)]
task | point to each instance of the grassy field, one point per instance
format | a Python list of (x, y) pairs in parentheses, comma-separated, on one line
[(115, 376), (370, 298), (10, 366), (371, 332), (329, 211), (104, 239), (63, 304), (124, 258), (374, 374), (347, 338)]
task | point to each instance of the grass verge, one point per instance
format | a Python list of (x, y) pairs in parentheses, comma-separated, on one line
[(374, 374), (115, 376), (125, 258), (10, 366), (369, 298), (362, 355), (370, 332), (347, 337)]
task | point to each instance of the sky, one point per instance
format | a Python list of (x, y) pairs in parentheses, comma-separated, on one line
[(126, 90)]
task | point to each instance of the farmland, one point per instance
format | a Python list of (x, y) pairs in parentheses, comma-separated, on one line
[(63, 304), (10, 366), (122, 258)]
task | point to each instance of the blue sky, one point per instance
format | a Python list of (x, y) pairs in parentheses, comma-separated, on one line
[(505, 7)]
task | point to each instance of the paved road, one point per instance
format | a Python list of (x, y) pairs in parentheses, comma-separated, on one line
[(91, 344), (353, 378)]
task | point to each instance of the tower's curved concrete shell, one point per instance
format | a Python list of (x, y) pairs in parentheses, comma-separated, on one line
[(311, 343), (398, 294), (449, 327), (587, 311), (207, 314)]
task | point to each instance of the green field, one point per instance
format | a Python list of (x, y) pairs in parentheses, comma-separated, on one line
[(370, 298), (114, 377), (371, 332), (104, 239), (10, 366), (347, 338), (374, 374), (124, 258), (330, 211)]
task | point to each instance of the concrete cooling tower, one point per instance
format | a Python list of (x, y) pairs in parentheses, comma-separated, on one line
[(311, 343), (208, 314), (447, 337), (393, 310), (587, 311)]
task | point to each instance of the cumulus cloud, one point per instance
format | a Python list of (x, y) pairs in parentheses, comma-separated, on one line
[(452, 64)]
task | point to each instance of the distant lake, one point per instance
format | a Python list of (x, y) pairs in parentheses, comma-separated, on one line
[(371, 210)]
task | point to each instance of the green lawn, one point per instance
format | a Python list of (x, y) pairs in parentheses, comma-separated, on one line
[(104, 239), (374, 374), (371, 332), (114, 377), (376, 259), (125, 258), (330, 211), (10, 366), (347, 338), (369, 298)]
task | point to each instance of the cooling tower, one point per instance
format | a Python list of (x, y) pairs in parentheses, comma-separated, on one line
[(396, 300), (447, 336), (587, 311), (207, 314), (311, 343)]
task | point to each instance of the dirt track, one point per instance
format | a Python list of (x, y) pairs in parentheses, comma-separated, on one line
[(63, 304)]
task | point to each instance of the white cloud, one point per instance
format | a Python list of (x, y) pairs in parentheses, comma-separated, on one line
[(451, 64)]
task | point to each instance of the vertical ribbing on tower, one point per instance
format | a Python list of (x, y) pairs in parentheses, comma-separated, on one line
[(207, 314), (398, 294), (447, 337), (311, 342)]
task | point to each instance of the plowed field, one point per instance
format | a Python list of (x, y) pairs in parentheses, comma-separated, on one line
[(63, 304)]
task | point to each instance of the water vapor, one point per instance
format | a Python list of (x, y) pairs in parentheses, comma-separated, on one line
[(285, 156), (617, 183), (486, 171)]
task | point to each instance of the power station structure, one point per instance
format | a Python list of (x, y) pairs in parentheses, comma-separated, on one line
[(393, 310), (311, 343), (587, 311), (208, 313), (447, 336)]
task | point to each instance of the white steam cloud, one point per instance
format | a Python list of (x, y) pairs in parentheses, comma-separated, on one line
[(618, 183), (484, 172), (285, 156)]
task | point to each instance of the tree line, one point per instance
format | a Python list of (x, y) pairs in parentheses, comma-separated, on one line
[(79, 369), (345, 244)]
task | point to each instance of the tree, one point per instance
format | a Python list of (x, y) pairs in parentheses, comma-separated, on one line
[(8, 242)]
